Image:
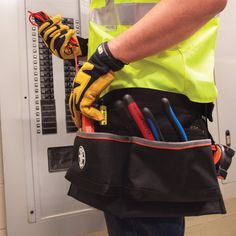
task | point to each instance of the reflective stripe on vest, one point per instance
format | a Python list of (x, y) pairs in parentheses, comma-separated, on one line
[(102, 3), (186, 68), (120, 14)]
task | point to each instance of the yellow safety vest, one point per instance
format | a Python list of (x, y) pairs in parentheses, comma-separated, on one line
[(187, 68)]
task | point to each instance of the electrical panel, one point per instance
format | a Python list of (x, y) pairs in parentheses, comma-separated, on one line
[(47, 116), (51, 128), (44, 84)]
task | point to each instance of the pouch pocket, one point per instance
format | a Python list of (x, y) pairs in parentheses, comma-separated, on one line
[(135, 177), (100, 162), (172, 172)]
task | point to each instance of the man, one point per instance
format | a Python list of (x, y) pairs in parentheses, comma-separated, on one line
[(148, 49)]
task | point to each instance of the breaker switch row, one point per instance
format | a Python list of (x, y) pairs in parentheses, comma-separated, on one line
[(69, 75), (48, 107)]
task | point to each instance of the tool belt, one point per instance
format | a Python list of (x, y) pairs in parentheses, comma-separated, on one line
[(151, 98), (130, 176), (147, 178)]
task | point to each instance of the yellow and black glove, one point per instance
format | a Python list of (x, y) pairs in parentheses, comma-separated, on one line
[(60, 39), (93, 77)]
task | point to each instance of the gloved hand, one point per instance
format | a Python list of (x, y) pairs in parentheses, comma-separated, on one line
[(60, 39), (94, 76)]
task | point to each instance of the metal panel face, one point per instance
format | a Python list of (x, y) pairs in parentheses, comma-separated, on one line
[(39, 132), (225, 80), (52, 128)]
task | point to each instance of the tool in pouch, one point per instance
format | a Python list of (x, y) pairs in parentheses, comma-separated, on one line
[(222, 155), (174, 120), (39, 19), (139, 172), (222, 159), (146, 169), (147, 123), (153, 124), (123, 114), (138, 117)]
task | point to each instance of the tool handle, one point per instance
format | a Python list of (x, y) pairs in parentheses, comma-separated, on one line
[(173, 119), (138, 117), (153, 124), (124, 115), (87, 124)]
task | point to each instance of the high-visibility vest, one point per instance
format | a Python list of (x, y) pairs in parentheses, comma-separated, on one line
[(186, 68)]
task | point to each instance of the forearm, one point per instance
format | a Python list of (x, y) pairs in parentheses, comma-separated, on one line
[(166, 24)]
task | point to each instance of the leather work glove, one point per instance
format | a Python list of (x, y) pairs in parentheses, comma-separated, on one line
[(93, 77), (60, 39)]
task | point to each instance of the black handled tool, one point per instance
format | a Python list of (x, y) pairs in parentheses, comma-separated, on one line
[(174, 120), (124, 115)]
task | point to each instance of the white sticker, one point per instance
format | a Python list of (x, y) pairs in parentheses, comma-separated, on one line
[(81, 157)]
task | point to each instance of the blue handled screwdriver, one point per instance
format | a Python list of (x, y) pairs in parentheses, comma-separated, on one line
[(174, 120)]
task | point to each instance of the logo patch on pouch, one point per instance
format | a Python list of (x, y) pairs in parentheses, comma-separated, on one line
[(81, 157)]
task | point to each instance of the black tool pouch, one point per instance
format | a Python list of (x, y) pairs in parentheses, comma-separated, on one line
[(135, 177), (99, 163)]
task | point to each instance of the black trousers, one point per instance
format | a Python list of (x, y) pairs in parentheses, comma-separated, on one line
[(144, 226)]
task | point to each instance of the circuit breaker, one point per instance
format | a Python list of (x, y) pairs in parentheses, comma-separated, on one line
[(51, 128)]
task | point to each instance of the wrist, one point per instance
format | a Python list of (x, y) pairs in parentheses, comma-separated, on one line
[(103, 56), (116, 51)]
